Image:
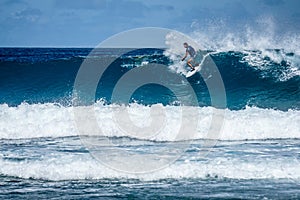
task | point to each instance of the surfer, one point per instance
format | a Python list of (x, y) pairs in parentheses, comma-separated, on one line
[(189, 51)]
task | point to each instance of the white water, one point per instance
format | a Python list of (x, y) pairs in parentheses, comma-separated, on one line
[(83, 166), (51, 120), (261, 36)]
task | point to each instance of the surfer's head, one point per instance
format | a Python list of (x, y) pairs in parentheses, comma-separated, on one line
[(185, 45)]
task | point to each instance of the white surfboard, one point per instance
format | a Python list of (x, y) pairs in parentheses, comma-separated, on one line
[(191, 73)]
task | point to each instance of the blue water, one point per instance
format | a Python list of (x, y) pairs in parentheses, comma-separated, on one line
[(47, 75), (41, 155)]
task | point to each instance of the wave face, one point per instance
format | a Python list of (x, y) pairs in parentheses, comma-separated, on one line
[(268, 79)]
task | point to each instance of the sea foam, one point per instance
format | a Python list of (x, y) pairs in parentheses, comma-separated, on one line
[(52, 120)]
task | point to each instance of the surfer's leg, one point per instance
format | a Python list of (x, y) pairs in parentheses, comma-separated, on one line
[(190, 64)]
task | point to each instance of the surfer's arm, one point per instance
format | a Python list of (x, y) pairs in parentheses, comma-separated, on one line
[(186, 54)]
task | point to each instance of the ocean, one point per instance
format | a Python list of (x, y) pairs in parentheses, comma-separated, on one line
[(256, 155)]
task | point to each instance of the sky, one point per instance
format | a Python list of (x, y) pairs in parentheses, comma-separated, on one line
[(85, 23)]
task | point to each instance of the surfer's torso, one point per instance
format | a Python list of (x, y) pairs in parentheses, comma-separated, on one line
[(191, 51)]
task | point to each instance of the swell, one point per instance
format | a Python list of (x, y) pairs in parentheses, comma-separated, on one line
[(267, 86), (39, 82), (251, 78)]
